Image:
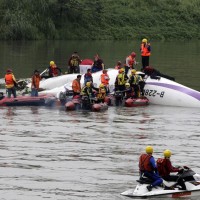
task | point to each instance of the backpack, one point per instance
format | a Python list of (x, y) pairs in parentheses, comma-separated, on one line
[(161, 162)]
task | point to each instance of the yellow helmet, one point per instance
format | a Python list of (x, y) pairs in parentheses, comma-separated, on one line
[(133, 71), (101, 85), (167, 153), (88, 84), (127, 84), (149, 149), (52, 63), (144, 40), (122, 69)]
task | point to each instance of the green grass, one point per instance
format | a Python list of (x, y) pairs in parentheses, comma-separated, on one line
[(99, 19)]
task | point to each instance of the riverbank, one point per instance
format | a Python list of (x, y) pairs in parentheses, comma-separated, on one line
[(100, 20)]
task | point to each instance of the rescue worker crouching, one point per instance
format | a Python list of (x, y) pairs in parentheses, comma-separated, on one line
[(148, 168), (165, 168), (101, 93), (128, 91), (53, 70)]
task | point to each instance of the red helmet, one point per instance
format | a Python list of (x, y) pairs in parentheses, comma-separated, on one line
[(9, 70), (133, 54)]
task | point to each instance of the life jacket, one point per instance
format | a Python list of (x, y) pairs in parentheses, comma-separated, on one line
[(135, 79), (144, 50), (74, 61), (86, 91), (121, 79), (129, 92), (105, 79), (55, 71), (9, 80), (161, 165), (131, 61), (76, 86), (144, 163), (35, 81), (102, 93)]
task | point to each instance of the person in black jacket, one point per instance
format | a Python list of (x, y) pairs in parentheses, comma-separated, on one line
[(155, 74)]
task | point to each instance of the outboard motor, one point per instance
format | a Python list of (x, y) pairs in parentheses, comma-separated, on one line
[(118, 98), (1, 95), (62, 98), (86, 105)]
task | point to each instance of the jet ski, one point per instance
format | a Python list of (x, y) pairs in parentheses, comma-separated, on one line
[(168, 189)]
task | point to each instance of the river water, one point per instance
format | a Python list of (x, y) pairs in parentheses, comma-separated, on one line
[(47, 153)]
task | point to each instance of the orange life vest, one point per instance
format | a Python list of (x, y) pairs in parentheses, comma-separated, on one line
[(144, 163), (36, 81), (76, 86), (9, 80), (144, 50), (105, 79), (131, 61)]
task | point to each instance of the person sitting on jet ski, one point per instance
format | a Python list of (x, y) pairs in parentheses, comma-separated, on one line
[(148, 168), (155, 74), (165, 167)]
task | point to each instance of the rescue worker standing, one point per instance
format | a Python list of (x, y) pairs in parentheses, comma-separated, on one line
[(74, 63), (136, 83), (145, 50), (87, 90), (76, 85), (165, 168), (148, 168), (105, 79), (130, 61), (120, 80), (10, 82), (35, 83)]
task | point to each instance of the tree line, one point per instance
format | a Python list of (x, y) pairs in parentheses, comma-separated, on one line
[(99, 19)]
